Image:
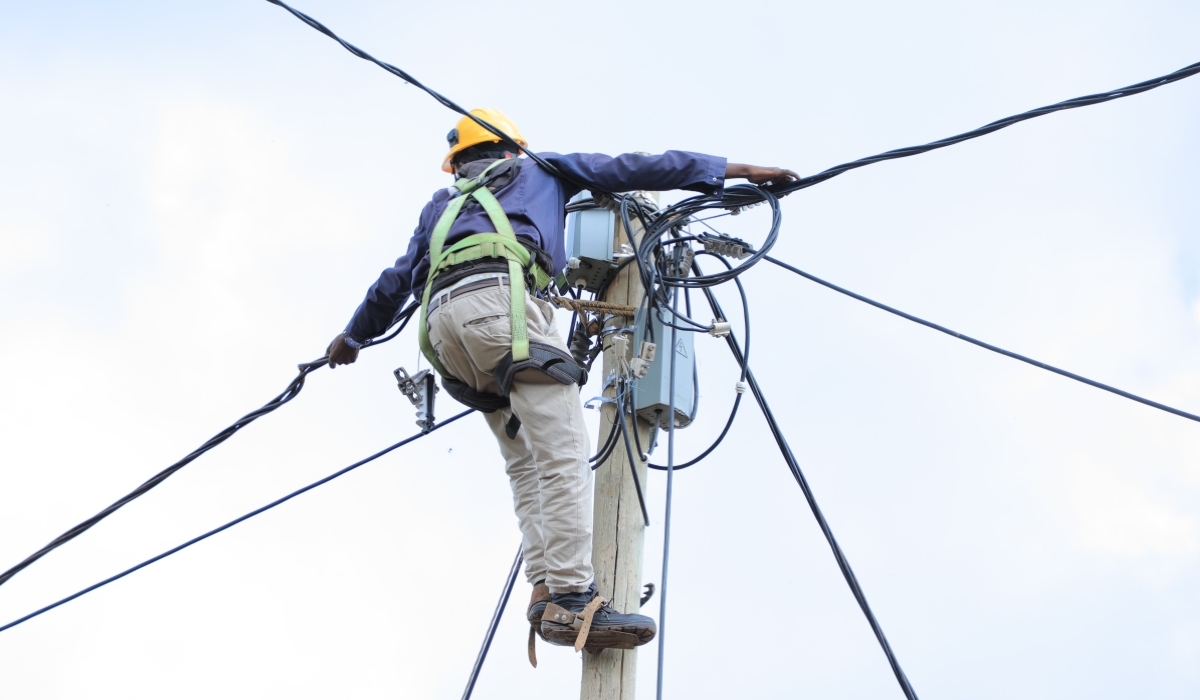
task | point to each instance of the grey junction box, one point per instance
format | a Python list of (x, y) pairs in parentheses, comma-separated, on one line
[(590, 234), (653, 394)]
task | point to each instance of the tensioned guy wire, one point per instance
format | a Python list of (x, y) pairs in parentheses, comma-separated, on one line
[(494, 624), (798, 474)]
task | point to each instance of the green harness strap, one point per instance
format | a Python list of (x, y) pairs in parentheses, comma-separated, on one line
[(501, 244)]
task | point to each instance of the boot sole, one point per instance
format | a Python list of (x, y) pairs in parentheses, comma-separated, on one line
[(598, 637)]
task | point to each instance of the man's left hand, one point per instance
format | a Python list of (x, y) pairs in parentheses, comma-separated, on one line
[(340, 353)]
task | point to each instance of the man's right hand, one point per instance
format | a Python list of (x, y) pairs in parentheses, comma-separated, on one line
[(340, 353), (759, 175)]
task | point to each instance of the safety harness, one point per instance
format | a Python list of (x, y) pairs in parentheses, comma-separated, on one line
[(501, 244)]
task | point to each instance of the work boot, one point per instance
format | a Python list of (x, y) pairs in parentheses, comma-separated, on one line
[(537, 606), (587, 621)]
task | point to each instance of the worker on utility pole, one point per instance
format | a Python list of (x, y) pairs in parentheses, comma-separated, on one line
[(481, 259)]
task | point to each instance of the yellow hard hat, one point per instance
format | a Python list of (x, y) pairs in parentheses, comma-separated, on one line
[(467, 133)]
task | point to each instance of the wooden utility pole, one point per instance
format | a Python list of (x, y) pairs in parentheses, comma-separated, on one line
[(618, 526)]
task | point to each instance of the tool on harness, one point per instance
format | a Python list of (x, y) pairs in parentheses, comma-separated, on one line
[(420, 389), (502, 244)]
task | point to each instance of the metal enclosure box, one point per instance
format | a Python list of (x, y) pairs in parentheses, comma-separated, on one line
[(590, 234), (653, 395)]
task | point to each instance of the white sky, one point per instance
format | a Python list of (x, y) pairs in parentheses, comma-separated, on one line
[(193, 198)]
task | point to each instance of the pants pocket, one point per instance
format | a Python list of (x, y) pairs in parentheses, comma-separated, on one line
[(484, 320)]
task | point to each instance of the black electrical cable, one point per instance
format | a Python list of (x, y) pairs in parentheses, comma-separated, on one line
[(737, 401), (734, 197), (233, 522), (609, 444), (288, 394), (738, 197), (1087, 100), (442, 99), (637, 482), (988, 346), (794, 467), (637, 440), (494, 624)]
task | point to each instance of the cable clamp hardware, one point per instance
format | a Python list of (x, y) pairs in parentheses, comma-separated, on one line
[(420, 389), (598, 401), (727, 246), (719, 328), (734, 211), (641, 364), (680, 260), (741, 387)]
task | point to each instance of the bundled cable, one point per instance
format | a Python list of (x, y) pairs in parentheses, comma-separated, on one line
[(1085, 101), (288, 394)]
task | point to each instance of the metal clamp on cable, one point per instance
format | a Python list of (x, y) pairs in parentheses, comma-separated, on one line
[(719, 328), (420, 389)]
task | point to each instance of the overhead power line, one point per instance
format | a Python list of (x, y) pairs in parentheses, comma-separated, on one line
[(1085, 101), (233, 522), (804, 182), (442, 99), (988, 346), (288, 394)]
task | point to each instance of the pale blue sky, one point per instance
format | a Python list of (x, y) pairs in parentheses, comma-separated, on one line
[(193, 198)]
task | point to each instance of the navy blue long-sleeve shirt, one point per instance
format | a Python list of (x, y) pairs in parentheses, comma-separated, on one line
[(535, 203)]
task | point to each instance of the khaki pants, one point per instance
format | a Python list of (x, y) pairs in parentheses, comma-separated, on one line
[(547, 463)]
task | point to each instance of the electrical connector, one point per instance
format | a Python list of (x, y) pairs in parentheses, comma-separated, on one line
[(727, 246), (620, 345), (719, 329), (641, 364), (680, 261)]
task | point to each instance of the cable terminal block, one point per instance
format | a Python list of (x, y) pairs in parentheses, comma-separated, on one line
[(620, 345), (719, 328), (727, 246), (641, 364), (420, 389), (679, 262)]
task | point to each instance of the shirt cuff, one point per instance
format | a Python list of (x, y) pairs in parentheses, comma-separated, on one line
[(714, 175)]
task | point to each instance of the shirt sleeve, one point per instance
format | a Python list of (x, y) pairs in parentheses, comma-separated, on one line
[(673, 170), (392, 289)]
